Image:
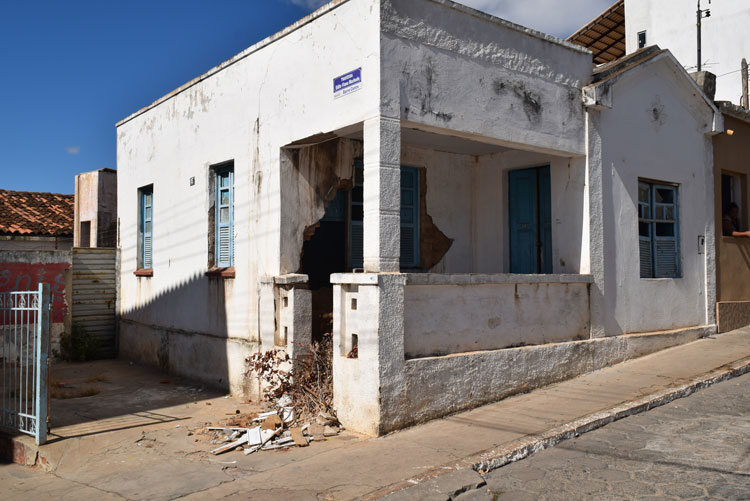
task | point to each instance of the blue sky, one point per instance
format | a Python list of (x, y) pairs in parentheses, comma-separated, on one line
[(72, 69)]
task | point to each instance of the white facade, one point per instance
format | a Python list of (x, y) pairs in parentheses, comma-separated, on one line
[(464, 98), (671, 24)]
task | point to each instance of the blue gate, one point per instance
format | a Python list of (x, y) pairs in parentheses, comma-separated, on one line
[(24, 356)]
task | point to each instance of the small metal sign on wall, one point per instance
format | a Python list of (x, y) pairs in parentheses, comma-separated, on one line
[(347, 83)]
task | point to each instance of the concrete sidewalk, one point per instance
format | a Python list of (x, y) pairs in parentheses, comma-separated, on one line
[(435, 460)]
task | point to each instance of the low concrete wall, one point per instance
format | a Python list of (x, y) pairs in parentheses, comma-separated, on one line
[(218, 362), (437, 386), (445, 314), (378, 390)]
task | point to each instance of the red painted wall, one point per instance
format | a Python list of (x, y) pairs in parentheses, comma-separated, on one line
[(27, 276)]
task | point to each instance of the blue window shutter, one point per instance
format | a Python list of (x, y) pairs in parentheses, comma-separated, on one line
[(225, 218), (666, 248), (409, 217), (544, 192), (522, 201), (147, 228), (356, 217)]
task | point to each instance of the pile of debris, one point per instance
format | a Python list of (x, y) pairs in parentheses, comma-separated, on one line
[(276, 429)]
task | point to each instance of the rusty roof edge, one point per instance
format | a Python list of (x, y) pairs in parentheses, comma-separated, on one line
[(596, 20), (325, 9), (734, 110), (516, 27)]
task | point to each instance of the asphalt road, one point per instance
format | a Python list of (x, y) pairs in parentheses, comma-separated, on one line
[(693, 448)]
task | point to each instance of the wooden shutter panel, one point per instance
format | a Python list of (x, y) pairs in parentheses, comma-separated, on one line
[(147, 251), (356, 219), (665, 262), (409, 217), (356, 244), (645, 254)]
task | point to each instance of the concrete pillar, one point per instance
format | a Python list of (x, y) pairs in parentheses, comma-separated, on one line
[(382, 194)]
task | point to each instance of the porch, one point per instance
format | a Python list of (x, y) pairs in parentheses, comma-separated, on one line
[(412, 243)]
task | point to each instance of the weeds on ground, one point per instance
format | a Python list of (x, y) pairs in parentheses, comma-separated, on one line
[(77, 346)]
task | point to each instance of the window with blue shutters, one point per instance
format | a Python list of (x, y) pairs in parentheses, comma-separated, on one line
[(409, 218), (658, 230), (146, 227), (224, 238)]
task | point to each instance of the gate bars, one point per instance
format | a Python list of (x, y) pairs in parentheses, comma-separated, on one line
[(24, 356)]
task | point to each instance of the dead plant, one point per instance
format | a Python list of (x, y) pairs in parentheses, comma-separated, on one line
[(309, 382)]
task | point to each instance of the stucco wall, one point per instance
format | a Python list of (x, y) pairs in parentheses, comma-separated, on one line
[(456, 314), (731, 155), (670, 24), (245, 110), (657, 129), (450, 67)]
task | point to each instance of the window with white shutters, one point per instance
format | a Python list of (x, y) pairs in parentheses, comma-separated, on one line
[(146, 227), (658, 230), (224, 238)]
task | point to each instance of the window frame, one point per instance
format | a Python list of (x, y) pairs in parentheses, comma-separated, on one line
[(219, 172), (146, 238), (652, 220)]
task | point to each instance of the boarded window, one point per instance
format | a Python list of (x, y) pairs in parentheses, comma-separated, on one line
[(658, 230)]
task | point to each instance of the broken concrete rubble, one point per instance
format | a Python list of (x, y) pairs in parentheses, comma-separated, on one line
[(274, 430)]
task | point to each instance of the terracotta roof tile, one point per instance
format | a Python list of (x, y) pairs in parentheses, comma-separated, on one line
[(31, 213)]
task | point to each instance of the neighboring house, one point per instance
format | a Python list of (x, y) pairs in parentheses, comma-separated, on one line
[(671, 24), (35, 221), (723, 46), (36, 238), (458, 197), (732, 169), (96, 209)]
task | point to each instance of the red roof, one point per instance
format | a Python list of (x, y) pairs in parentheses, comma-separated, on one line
[(36, 214)]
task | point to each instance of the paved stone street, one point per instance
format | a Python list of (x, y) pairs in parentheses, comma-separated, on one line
[(693, 448)]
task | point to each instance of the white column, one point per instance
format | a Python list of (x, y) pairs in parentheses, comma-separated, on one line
[(382, 194)]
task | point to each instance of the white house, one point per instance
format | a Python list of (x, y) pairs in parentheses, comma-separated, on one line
[(671, 24), (455, 195)]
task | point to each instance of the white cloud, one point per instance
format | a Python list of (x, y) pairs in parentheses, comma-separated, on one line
[(73, 150), (561, 18), (307, 4)]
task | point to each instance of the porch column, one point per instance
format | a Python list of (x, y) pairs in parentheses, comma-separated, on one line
[(382, 194)]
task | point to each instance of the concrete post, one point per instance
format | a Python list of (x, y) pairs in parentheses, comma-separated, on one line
[(382, 194)]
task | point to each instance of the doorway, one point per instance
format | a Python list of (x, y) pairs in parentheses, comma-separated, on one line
[(530, 216)]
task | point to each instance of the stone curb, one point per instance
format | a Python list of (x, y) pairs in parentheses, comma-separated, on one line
[(522, 448), (525, 447)]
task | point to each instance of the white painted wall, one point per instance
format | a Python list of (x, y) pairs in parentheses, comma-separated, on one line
[(472, 312), (670, 24), (245, 110), (449, 67), (673, 148)]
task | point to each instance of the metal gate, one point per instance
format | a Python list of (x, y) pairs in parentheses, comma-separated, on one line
[(24, 355)]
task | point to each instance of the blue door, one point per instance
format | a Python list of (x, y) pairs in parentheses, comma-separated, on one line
[(530, 220)]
